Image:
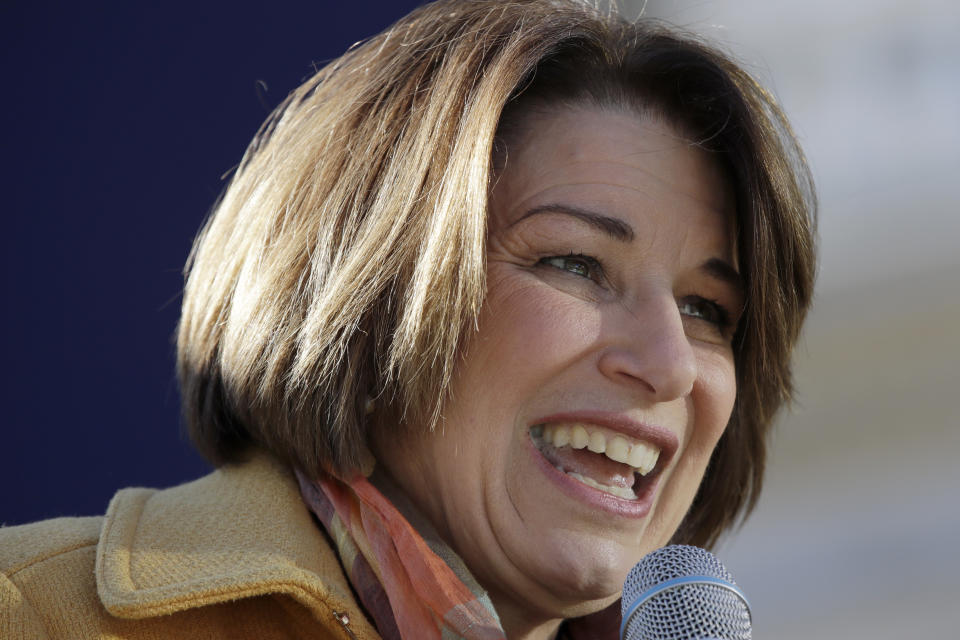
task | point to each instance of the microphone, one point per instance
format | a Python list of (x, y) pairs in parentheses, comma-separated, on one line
[(681, 592)]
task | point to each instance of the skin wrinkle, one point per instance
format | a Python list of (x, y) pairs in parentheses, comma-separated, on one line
[(660, 180), (715, 267), (620, 230)]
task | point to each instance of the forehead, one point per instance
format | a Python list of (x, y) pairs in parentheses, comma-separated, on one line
[(618, 162)]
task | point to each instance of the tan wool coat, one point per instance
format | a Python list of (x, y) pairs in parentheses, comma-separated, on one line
[(232, 555)]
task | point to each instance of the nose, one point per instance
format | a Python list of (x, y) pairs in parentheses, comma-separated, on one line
[(646, 347)]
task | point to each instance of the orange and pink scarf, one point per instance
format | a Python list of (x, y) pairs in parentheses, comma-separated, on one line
[(406, 587)]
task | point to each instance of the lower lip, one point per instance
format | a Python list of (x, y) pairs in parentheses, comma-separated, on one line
[(597, 499)]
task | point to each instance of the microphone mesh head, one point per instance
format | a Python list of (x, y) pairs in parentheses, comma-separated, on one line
[(687, 611)]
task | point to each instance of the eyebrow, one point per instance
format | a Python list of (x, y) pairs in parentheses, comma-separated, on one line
[(620, 230), (724, 271), (613, 227)]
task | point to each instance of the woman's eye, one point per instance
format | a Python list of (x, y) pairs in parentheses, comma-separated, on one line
[(703, 309), (580, 265)]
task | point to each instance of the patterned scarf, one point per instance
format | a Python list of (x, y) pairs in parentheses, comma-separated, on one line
[(414, 587)]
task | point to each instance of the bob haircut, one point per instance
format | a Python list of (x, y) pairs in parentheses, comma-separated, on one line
[(344, 264)]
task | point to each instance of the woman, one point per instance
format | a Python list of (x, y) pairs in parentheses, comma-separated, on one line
[(496, 303)]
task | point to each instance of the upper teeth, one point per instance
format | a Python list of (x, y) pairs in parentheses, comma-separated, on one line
[(639, 455)]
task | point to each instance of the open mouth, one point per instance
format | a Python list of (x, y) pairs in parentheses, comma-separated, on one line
[(604, 460)]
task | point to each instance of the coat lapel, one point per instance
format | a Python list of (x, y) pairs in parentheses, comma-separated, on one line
[(240, 532)]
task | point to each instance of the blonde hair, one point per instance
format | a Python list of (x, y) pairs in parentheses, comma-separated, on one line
[(345, 260)]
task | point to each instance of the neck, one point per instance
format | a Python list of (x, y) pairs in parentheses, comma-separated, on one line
[(519, 623), (522, 628)]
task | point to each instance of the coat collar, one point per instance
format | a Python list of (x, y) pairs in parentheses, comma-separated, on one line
[(240, 532)]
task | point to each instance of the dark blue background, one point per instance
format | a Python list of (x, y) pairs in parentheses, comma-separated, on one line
[(118, 121)]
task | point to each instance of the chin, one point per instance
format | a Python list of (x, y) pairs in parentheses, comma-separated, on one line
[(583, 571)]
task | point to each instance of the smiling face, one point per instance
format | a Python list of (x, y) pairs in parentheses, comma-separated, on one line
[(588, 402)]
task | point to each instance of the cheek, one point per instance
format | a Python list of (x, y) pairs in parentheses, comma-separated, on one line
[(715, 393), (709, 405), (526, 326)]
